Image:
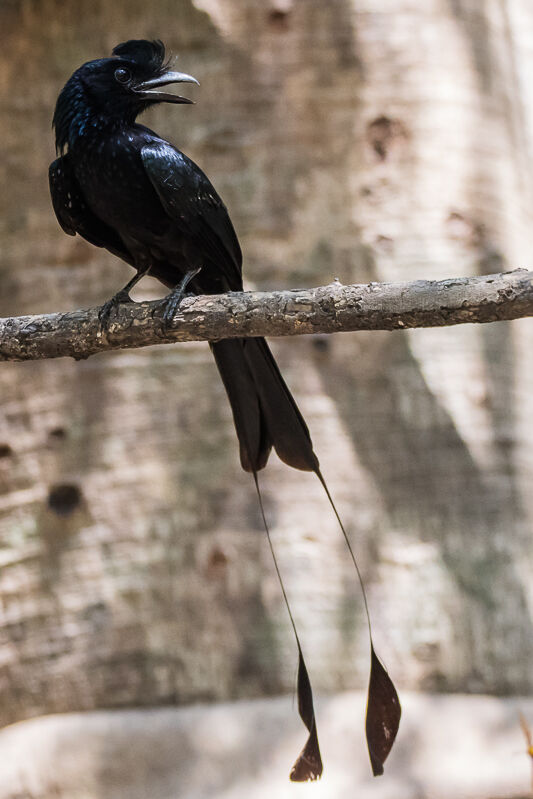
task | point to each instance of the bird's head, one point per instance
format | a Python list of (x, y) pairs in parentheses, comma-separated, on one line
[(116, 89)]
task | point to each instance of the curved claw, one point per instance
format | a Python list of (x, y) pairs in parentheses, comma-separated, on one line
[(172, 301), (170, 305), (108, 307)]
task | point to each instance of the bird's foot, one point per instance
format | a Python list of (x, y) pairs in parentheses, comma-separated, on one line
[(169, 306), (172, 301), (110, 306)]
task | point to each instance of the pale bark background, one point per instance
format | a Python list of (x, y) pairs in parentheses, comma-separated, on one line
[(358, 139)]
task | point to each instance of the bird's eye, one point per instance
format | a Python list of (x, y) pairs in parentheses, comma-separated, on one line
[(122, 75)]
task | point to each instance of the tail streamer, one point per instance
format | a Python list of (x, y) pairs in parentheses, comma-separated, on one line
[(308, 766), (383, 709)]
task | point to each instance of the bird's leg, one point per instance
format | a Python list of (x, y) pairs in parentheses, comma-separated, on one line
[(121, 296), (172, 301)]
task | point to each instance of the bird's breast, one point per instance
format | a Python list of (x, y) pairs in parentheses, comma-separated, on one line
[(116, 188)]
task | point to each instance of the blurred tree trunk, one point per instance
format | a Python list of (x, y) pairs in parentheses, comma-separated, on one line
[(363, 139)]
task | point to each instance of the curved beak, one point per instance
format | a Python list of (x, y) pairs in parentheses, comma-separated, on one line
[(147, 90)]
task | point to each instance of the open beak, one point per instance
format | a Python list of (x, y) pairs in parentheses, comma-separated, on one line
[(148, 89)]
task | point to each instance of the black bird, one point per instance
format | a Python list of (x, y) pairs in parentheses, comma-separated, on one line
[(122, 187)]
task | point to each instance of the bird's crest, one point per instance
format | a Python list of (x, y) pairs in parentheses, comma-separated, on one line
[(150, 55)]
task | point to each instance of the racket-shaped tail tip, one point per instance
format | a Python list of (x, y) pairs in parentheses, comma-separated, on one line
[(308, 766), (383, 715)]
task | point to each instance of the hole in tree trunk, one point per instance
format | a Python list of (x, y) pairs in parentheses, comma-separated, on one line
[(57, 434), (278, 19), (63, 499)]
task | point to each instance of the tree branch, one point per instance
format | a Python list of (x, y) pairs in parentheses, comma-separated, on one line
[(327, 309)]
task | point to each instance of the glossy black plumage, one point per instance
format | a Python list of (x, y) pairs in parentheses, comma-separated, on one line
[(122, 187)]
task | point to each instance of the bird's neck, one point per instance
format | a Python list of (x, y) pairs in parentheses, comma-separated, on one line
[(79, 123), (92, 127)]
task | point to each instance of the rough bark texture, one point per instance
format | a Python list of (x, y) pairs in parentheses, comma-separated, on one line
[(377, 140), (327, 309)]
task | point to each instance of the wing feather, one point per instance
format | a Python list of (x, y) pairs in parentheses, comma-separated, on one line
[(191, 202), (75, 216)]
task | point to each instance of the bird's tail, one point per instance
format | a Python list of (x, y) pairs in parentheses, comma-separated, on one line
[(265, 416), (264, 410)]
